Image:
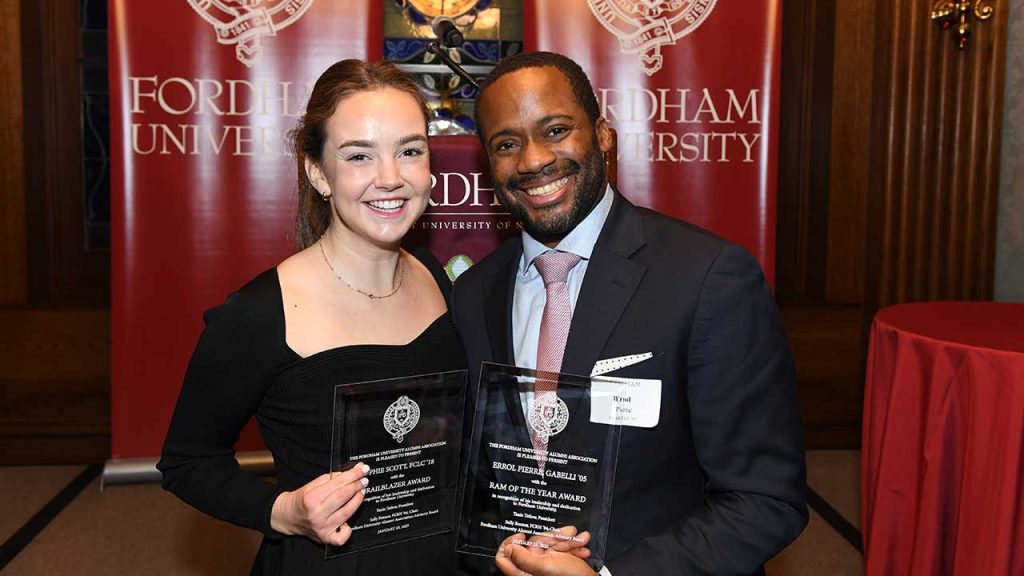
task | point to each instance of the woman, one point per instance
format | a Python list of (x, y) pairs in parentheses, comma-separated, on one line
[(350, 306)]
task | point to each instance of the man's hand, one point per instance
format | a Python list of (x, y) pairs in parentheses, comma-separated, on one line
[(559, 554)]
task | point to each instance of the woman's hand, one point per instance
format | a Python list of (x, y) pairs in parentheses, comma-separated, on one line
[(320, 510)]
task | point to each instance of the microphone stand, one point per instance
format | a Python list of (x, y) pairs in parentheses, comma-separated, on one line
[(435, 49)]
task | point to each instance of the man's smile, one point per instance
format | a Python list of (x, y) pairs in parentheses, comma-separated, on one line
[(548, 188)]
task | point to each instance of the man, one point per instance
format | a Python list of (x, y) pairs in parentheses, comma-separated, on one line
[(717, 486)]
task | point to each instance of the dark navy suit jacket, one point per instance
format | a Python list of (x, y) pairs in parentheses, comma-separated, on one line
[(717, 487)]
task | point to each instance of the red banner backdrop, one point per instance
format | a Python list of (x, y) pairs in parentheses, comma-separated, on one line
[(691, 87), (464, 221), (203, 93)]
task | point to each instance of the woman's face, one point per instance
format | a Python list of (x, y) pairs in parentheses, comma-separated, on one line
[(376, 166)]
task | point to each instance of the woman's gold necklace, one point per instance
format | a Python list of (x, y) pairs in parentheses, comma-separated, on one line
[(399, 268)]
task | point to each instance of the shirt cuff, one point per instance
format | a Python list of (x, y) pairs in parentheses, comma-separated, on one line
[(604, 572)]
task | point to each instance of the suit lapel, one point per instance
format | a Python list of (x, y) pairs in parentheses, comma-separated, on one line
[(497, 305), (610, 282), (497, 293)]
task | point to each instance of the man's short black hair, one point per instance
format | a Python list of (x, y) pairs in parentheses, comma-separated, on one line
[(577, 78)]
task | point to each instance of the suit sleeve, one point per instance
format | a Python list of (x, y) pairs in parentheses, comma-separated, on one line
[(223, 387), (747, 433), (458, 300)]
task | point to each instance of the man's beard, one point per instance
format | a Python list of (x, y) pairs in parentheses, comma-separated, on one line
[(589, 182)]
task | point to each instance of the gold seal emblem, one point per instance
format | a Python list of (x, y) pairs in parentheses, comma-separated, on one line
[(244, 22), (644, 26)]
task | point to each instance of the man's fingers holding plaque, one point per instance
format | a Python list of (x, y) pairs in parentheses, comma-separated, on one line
[(503, 558), (550, 563), (565, 539), (558, 553)]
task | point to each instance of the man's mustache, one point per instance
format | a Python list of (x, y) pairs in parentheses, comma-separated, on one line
[(567, 167)]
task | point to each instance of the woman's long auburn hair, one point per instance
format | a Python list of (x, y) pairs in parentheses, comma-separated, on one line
[(341, 80)]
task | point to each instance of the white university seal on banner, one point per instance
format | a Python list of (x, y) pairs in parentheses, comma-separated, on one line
[(401, 417), (244, 22), (548, 416), (644, 26)]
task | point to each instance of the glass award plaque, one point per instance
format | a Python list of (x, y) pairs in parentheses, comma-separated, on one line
[(408, 431), (514, 484)]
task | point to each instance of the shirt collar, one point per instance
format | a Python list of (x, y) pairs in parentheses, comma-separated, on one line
[(580, 240)]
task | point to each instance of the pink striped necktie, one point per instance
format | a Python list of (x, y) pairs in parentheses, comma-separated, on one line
[(554, 269)]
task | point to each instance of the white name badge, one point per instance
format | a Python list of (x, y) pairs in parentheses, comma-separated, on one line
[(625, 401)]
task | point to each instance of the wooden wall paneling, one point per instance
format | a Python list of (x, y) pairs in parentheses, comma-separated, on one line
[(54, 344), (793, 127), (988, 84), (935, 163), (62, 187), (827, 347), (925, 195), (33, 149), (825, 337), (850, 145), (61, 270), (13, 260), (884, 137), (805, 109), (54, 386)]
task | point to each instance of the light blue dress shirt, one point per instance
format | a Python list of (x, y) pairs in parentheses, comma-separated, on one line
[(529, 297)]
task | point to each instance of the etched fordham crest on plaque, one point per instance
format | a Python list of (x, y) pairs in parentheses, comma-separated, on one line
[(401, 417), (548, 416), (415, 494), (511, 483), (244, 22), (644, 26)]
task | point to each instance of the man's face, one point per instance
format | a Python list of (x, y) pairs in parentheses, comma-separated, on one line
[(547, 157)]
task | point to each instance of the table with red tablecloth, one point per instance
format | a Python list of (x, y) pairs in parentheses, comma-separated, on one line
[(942, 473)]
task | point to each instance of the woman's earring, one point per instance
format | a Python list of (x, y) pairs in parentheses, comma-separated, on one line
[(326, 197)]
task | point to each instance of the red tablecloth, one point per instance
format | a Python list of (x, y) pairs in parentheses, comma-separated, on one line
[(942, 470)]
